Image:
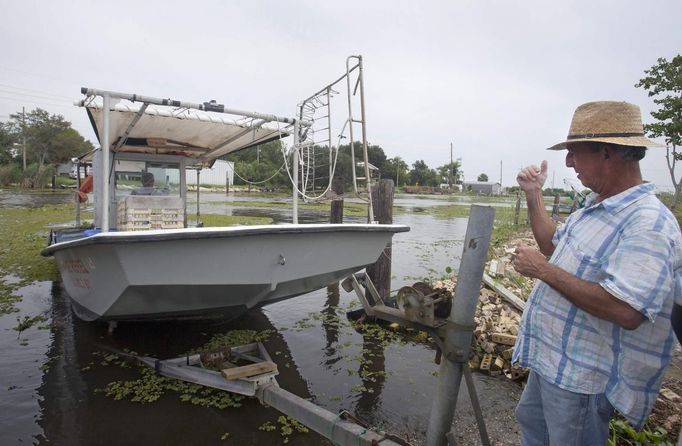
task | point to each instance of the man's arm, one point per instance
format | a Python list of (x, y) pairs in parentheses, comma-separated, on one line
[(588, 296), (531, 179)]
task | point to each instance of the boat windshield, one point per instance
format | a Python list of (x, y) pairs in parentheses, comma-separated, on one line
[(147, 178)]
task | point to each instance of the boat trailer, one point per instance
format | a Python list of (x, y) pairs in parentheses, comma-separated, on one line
[(257, 379), (416, 310)]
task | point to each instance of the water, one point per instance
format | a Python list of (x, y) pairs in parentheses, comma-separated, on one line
[(49, 375)]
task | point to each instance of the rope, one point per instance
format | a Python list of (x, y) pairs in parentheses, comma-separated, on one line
[(258, 182), (338, 417)]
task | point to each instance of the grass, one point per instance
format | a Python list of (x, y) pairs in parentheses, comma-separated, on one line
[(24, 232)]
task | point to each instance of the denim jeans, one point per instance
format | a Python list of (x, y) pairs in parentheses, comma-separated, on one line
[(549, 415)]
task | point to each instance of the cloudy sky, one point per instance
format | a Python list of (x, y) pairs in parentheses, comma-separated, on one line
[(497, 79)]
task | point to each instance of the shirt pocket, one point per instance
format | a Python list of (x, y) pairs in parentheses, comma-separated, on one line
[(580, 261)]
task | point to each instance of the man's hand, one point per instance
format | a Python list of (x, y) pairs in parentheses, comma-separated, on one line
[(529, 262), (532, 178)]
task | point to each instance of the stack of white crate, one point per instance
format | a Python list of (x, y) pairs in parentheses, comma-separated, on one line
[(142, 212)]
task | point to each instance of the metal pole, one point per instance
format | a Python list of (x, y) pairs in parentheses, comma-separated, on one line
[(294, 168), (198, 183), (363, 127), (326, 423), (217, 108), (460, 323), (106, 167), (23, 134)]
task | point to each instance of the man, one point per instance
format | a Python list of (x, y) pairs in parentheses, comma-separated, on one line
[(596, 331), (147, 188)]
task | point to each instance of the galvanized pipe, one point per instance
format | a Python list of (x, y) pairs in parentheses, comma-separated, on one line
[(325, 423), (294, 171), (106, 164), (460, 323), (185, 104)]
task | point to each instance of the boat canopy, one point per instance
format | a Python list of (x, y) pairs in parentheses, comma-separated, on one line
[(203, 136)]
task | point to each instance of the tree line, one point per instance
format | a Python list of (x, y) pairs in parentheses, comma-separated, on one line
[(33, 144), (264, 165)]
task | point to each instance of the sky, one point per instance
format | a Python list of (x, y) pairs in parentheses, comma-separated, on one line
[(499, 80)]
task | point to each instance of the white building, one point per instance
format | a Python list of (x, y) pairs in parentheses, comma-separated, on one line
[(483, 187), (217, 175)]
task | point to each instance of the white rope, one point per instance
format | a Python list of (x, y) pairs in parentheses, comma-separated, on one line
[(259, 182)]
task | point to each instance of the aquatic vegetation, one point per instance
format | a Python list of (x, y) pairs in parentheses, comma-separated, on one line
[(27, 322), (287, 426), (150, 386), (233, 338), (217, 220), (24, 233)]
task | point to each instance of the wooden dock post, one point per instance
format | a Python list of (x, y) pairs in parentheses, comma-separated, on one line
[(382, 202), (336, 211)]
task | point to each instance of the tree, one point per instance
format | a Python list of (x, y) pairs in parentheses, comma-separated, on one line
[(422, 175), (396, 169), (7, 140), (482, 177), (50, 139), (453, 170), (663, 82)]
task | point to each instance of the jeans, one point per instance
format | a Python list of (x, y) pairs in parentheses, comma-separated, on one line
[(549, 415)]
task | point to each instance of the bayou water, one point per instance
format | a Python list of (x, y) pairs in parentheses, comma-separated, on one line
[(50, 373)]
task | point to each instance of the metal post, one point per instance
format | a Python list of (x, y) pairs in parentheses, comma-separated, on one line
[(326, 423), (106, 165), (198, 183), (23, 135), (460, 323), (294, 169)]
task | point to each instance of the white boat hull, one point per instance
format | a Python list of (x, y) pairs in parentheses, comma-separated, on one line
[(210, 272)]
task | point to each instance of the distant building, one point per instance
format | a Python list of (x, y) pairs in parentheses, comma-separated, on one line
[(220, 173), (483, 187)]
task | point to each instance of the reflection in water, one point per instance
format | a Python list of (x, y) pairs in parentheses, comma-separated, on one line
[(71, 412), (330, 322), (373, 375)]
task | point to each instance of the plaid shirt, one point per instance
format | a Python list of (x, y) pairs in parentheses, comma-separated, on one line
[(631, 245)]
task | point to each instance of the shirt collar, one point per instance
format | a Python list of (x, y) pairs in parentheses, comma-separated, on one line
[(622, 200)]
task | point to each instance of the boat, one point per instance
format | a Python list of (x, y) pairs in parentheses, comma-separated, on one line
[(142, 261), (209, 272)]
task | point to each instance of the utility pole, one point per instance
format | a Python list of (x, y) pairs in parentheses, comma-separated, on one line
[(451, 170), (23, 133), (500, 174)]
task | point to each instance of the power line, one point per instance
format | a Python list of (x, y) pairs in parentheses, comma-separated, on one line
[(44, 103), (54, 98), (41, 92)]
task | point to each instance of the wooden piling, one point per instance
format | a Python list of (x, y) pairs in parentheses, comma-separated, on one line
[(382, 201), (336, 211), (555, 207), (518, 209)]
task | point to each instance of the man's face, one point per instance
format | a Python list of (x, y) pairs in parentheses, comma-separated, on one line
[(587, 163)]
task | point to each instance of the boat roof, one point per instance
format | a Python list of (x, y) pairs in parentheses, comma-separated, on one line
[(165, 130)]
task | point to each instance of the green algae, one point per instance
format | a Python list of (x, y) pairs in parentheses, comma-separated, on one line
[(24, 233), (150, 386), (217, 220)]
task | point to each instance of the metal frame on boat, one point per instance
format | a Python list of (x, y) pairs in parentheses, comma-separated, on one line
[(188, 272)]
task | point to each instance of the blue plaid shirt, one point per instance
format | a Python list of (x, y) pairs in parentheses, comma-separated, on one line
[(631, 245)]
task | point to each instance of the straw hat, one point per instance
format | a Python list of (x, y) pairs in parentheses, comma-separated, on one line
[(607, 121)]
